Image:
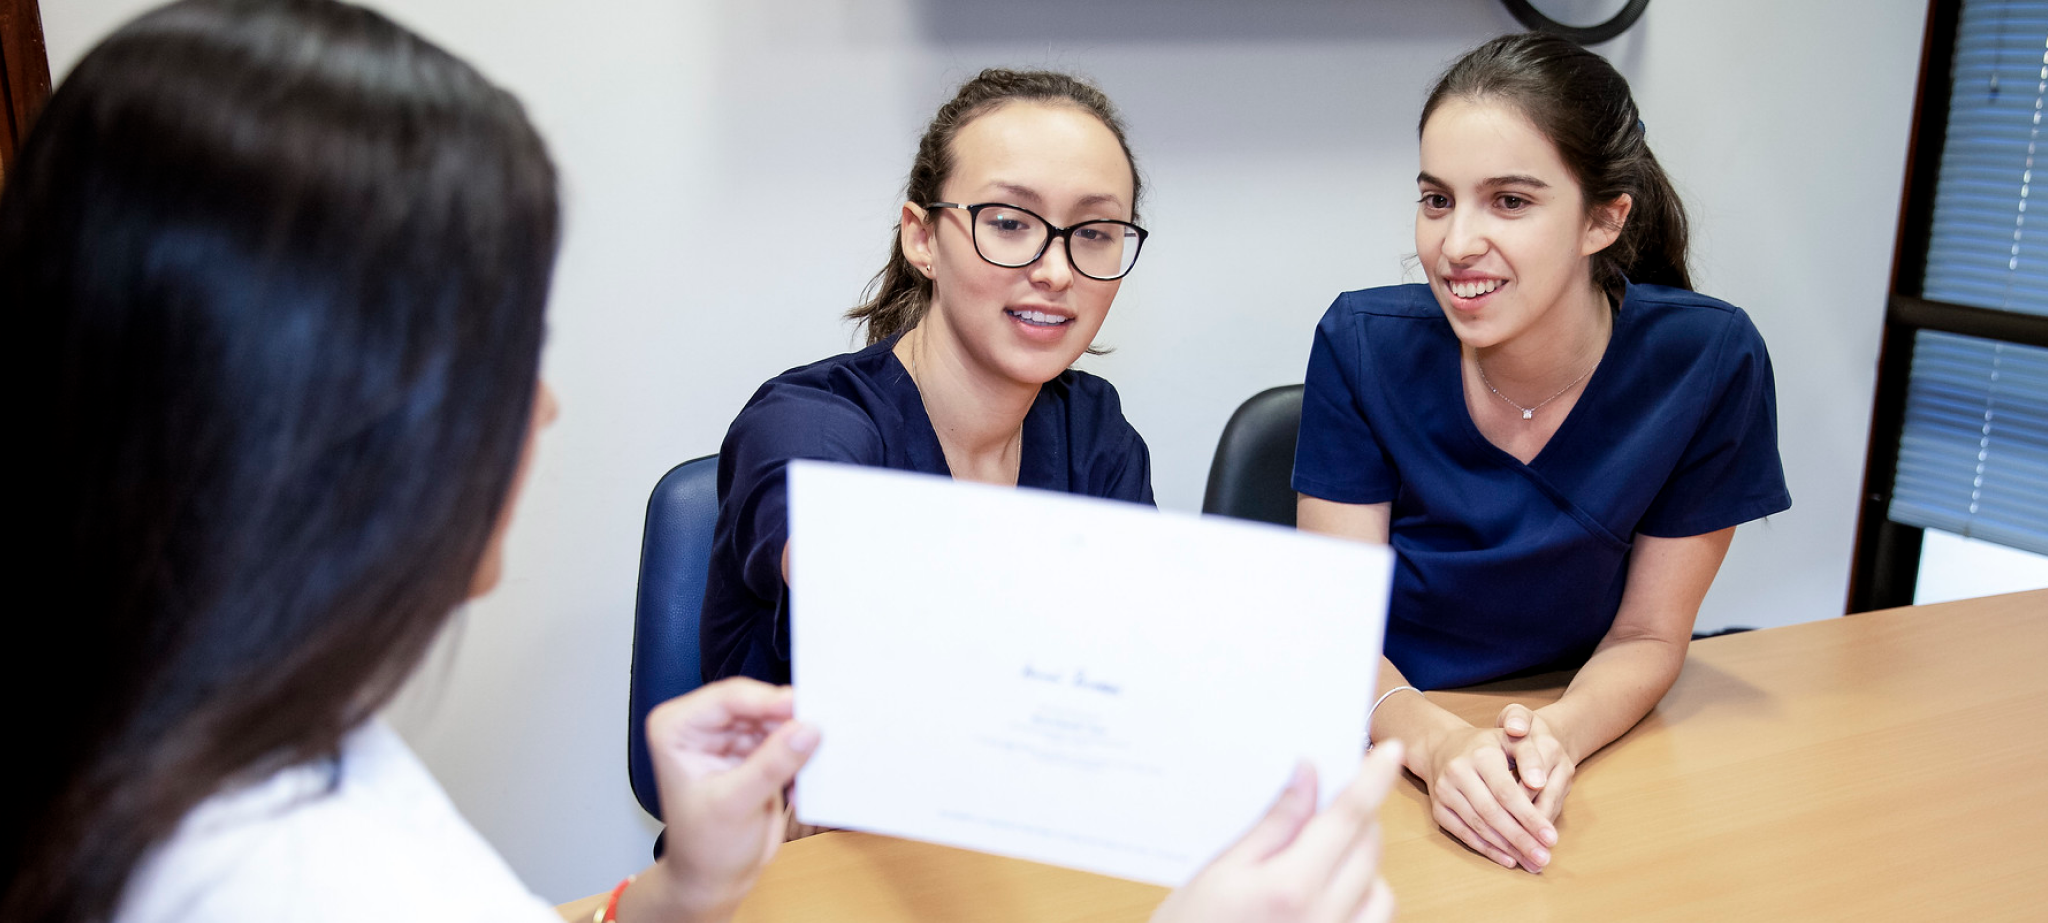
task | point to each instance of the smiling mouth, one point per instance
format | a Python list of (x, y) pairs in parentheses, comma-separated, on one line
[(1473, 288), (1038, 318)]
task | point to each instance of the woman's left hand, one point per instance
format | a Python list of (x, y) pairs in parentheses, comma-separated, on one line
[(1541, 762)]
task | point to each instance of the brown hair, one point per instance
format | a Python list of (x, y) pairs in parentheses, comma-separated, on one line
[(1578, 101), (897, 297)]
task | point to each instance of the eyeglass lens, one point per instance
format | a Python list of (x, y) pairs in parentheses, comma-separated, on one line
[(1010, 236)]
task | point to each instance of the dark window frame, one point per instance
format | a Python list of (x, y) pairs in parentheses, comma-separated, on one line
[(1885, 567)]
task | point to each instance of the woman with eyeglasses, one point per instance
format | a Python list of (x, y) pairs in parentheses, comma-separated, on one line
[(279, 271), (1017, 231), (1555, 433)]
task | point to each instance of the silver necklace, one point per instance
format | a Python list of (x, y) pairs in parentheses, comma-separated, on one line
[(1529, 413)]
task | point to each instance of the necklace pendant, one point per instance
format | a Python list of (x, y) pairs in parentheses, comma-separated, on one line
[(1528, 413)]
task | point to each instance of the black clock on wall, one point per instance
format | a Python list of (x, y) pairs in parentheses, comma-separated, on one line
[(1563, 17)]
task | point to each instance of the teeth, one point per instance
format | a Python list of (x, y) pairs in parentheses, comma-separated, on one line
[(1040, 317), (1474, 289)]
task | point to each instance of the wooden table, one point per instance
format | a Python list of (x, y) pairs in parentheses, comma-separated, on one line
[(1885, 766)]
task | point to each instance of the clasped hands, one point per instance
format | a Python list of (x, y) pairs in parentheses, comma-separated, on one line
[(1499, 789)]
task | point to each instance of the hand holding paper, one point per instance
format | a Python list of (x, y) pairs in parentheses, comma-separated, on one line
[(722, 755), (1298, 865)]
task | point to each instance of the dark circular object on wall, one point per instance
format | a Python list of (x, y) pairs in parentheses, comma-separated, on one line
[(1530, 17)]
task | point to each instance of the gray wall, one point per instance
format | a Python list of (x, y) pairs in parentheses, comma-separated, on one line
[(732, 170)]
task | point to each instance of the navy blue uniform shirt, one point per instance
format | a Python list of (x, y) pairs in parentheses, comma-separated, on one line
[(863, 408), (1506, 568)]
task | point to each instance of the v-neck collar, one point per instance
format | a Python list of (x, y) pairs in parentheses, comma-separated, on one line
[(1601, 372), (911, 399)]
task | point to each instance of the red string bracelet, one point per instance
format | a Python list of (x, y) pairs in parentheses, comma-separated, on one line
[(610, 913)]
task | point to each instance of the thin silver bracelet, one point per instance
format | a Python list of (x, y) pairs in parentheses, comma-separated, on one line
[(1375, 710)]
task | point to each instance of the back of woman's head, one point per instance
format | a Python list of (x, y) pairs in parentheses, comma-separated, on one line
[(1583, 105), (277, 269), (899, 295)]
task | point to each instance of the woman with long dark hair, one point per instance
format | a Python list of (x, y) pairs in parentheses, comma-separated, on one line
[(1016, 232), (278, 270), (1555, 433)]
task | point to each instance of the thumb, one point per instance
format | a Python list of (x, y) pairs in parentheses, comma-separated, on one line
[(1376, 775), (1282, 822), (772, 765), (1516, 719)]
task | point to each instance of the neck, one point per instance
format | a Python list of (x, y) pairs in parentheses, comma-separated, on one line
[(978, 416), (1569, 341)]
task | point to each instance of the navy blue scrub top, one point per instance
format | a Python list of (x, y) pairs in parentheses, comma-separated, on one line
[(863, 408), (1507, 568)]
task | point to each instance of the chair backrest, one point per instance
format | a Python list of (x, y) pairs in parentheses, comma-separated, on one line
[(675, 555), (1252, 476)]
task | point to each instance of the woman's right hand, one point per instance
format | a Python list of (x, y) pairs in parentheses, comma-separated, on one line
[(1475, 796), (1300, 865)]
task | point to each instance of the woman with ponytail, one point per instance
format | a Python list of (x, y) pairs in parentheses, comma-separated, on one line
[(281, 270), (1016, 231), (1555, 433)]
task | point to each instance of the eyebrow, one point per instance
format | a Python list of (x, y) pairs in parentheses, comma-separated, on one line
[(1027, 192), (1512, 179)]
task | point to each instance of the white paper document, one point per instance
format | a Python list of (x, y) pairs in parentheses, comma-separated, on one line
[(1082, 682)]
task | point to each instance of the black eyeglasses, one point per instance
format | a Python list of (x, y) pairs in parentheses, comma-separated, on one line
[(1009, 236)]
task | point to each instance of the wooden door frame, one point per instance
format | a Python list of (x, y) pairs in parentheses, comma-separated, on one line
[(24, 73)]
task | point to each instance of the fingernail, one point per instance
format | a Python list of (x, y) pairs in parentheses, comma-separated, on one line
[(1518, 726), (804, 739), (1549, 836), (1542, 858)]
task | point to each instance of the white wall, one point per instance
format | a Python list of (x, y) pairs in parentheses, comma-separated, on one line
[(732, 168)]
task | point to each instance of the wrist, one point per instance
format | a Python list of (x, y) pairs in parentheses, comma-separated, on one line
[(1557, 722), (1426, 729), (1374, 730), (656, 896)]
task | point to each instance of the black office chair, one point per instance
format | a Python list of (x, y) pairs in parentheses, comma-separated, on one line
[(1252, 476), (675, 555)]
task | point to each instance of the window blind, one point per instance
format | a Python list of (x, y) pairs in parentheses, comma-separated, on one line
[(1981, 251), (1973, 459), (1973, 455)]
